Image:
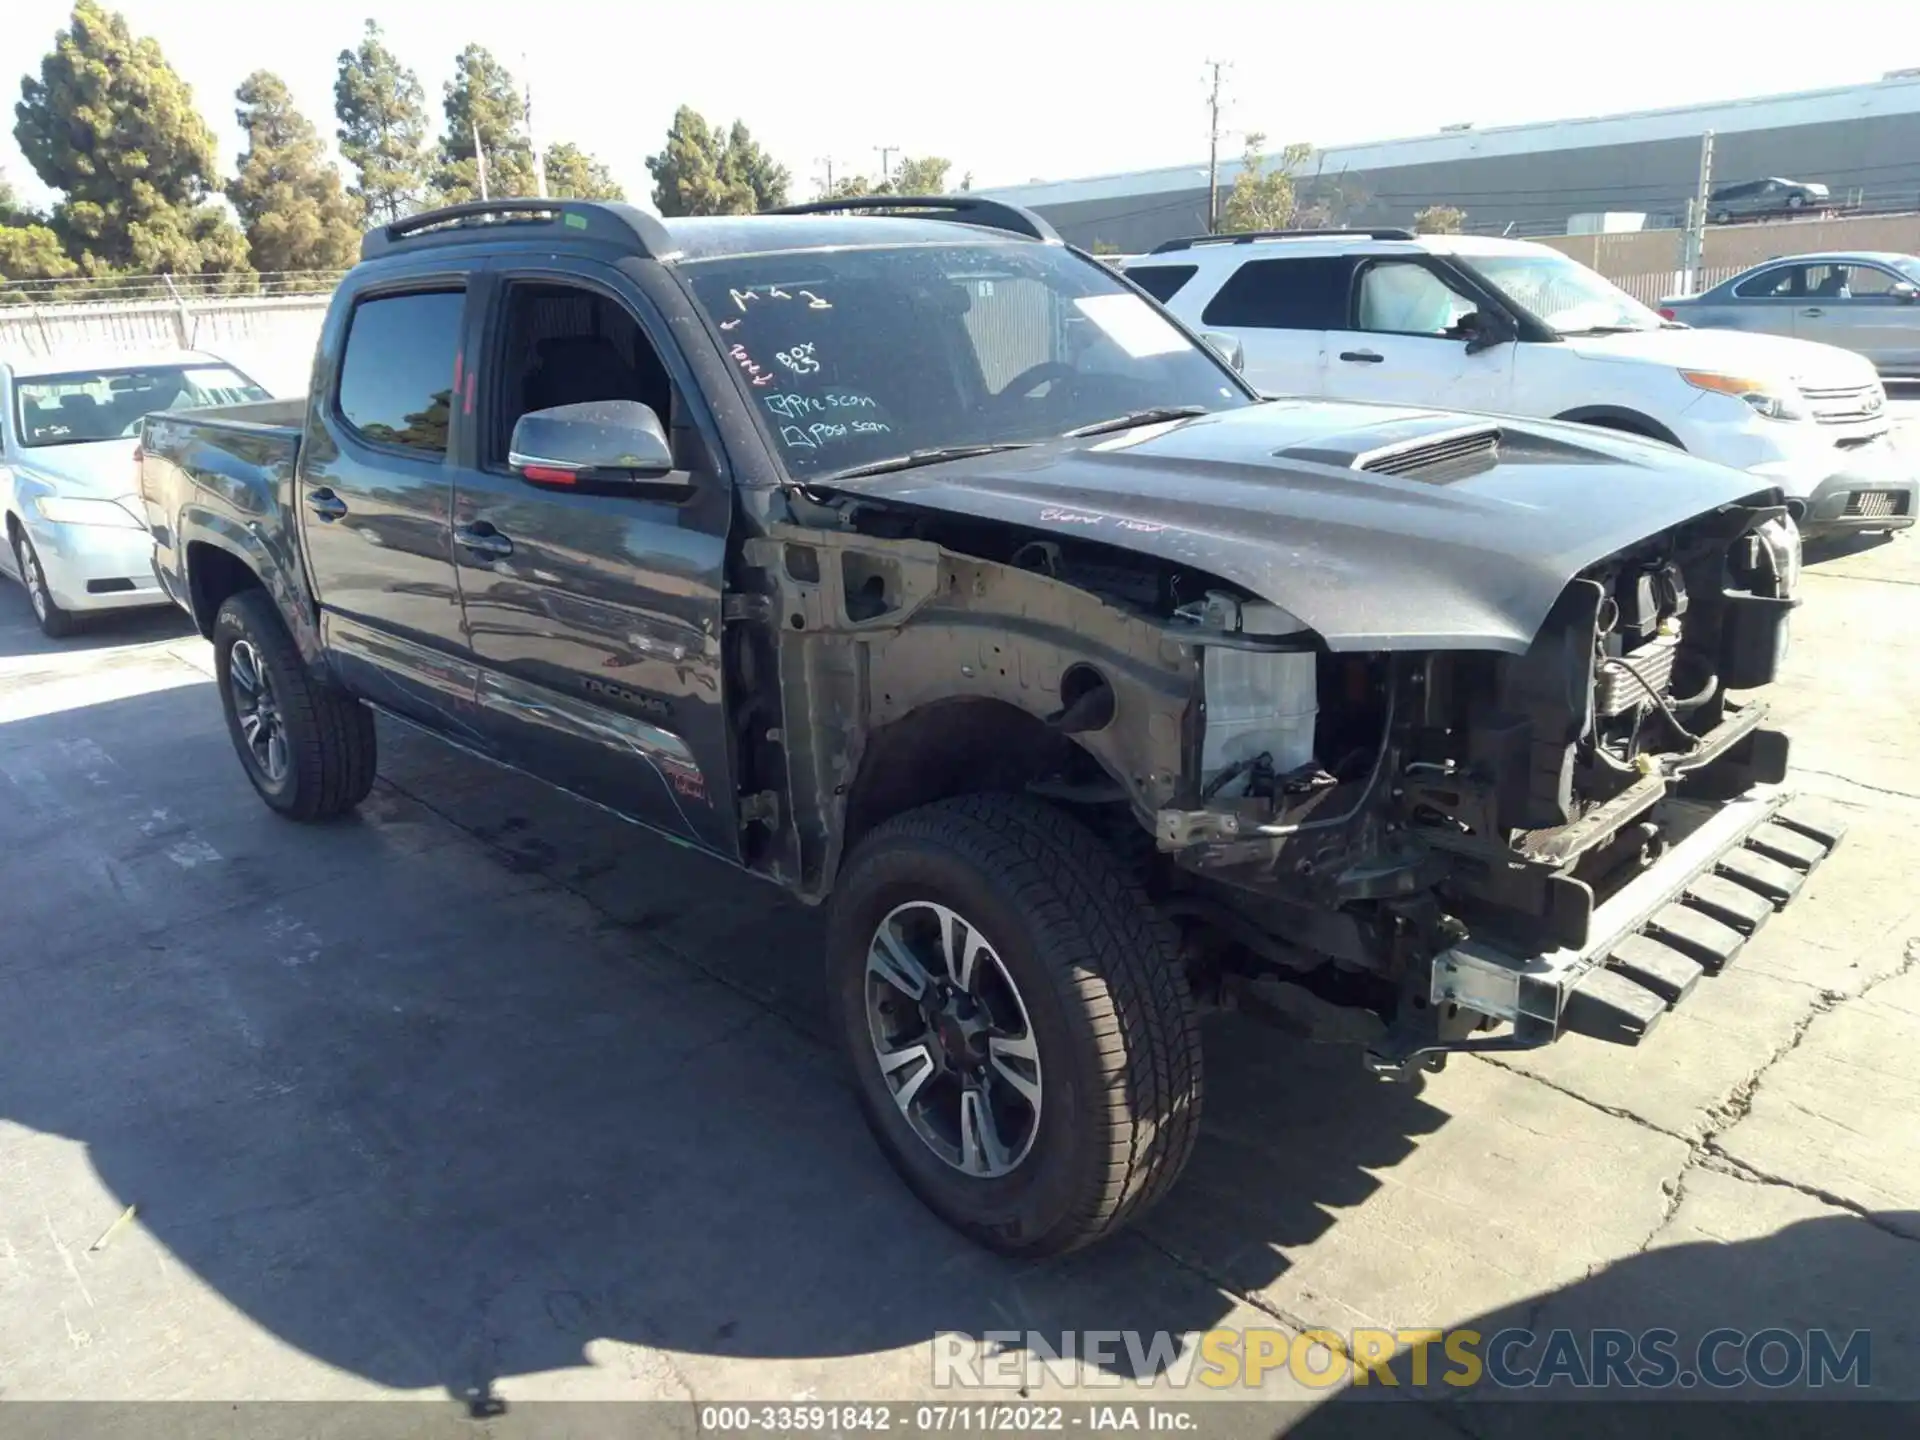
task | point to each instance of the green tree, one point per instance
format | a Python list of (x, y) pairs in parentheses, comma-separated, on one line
[(572, 174), (383, 127), (744, 162), (1439, 220), (927, 176), (701, 172), (287, 194), (29, 250), (1263, 196), (482, 99), (110, 125)]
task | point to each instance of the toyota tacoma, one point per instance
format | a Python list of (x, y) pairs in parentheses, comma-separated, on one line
[(899, 554)]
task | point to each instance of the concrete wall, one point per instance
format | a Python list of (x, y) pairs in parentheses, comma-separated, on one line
[(1879, 154), (271, 338)]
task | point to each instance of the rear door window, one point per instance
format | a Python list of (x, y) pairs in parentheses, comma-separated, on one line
[(1308, 293), (1162, 282), (397, 375), (1778, 283)]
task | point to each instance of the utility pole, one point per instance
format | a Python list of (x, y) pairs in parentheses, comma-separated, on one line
[(1213, 147), (1694, 244), (480, 156), (887, 152), (827, 162), (533, 137)]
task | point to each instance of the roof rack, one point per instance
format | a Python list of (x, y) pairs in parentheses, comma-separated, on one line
[(1378, 232), (481, 219), (967, 209)]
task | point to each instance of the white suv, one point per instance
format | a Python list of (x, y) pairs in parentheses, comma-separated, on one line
[(1469, 322)]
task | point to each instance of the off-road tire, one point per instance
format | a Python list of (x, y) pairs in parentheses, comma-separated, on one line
[(54, 623), (331, 748), (1099, 970)]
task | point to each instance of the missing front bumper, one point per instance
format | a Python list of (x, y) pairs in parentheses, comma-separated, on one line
[(1687, 916)]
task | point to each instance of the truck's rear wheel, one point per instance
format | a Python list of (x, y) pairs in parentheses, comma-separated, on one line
[(308, 749), (1025, 1048)]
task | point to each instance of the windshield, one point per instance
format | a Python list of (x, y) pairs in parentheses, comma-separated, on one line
[(81, 406), (1565, 295), (1909, 266), (861, 355)]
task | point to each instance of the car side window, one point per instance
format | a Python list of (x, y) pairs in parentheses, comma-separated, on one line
[(1775, 284), (1308, 293), (1404, 297), (396, 374), (1870, 282), (1162, 282), (559, 344)]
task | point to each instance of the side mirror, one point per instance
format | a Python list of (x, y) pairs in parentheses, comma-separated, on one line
[(595, 445), (1484, 329), (1228, 346), (1906, 294)]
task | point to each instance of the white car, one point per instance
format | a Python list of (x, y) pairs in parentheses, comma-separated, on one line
[(76, 534), (1469, 322)]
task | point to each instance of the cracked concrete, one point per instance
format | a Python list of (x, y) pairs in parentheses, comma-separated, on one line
[(484, 1093)]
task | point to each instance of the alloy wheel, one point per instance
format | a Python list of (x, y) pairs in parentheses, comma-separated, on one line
[(262, 729), (951, 1034)]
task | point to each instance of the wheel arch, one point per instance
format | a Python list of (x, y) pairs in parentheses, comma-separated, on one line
[(1623, 420), (223, 557)]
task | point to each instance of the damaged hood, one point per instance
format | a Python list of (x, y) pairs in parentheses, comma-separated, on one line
[(1466, 548)]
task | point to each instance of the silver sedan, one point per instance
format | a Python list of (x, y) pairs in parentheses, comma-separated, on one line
[(1864, 301)]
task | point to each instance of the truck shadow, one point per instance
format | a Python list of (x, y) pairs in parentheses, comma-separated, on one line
[(1835, 1292), (438, 1113), (21, 635)]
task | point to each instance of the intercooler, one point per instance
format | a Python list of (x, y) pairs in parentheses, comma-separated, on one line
[(1618, 691)]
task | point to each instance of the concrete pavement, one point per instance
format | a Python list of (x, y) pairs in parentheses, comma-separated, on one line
[(483, 1094)]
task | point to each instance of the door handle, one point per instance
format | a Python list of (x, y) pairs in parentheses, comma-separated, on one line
[(1363, 357), (325, 504), (1816, 310), (482, 539)]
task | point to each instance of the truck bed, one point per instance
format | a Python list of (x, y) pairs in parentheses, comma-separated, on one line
[(215, 478)]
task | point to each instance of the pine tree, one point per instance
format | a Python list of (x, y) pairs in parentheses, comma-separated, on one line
[(744, 162), (287, 194), (573, 174), (383, 127), (483, 99), (701, 172), (110, 125)]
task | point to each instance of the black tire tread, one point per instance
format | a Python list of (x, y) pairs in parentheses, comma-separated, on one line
[(1123, 958), (335, 750)]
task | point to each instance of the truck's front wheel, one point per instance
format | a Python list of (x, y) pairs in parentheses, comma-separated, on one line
[(308, 749), (1025, 1048)]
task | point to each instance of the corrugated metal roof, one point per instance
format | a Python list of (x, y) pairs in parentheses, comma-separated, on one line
[(1898, 96)]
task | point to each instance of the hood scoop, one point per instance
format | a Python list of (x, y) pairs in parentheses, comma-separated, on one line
[(1438, 455)]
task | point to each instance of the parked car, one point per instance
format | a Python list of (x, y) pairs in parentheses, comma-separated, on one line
[(1472, 322), (76, 537), (927, 570), (1867, 302), (1759, 199)]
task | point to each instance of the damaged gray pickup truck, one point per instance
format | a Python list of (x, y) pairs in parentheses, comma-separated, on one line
[(899, 554)]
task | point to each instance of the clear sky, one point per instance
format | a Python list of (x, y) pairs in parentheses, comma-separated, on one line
[(1012, 90)]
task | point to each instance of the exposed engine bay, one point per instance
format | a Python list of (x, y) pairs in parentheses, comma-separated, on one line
[(1400, 846)]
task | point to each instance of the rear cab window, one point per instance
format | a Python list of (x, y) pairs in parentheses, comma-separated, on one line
[(397, 371), (1304, 293)]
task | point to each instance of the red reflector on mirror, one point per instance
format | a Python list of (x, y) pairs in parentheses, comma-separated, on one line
[(546, 475)]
